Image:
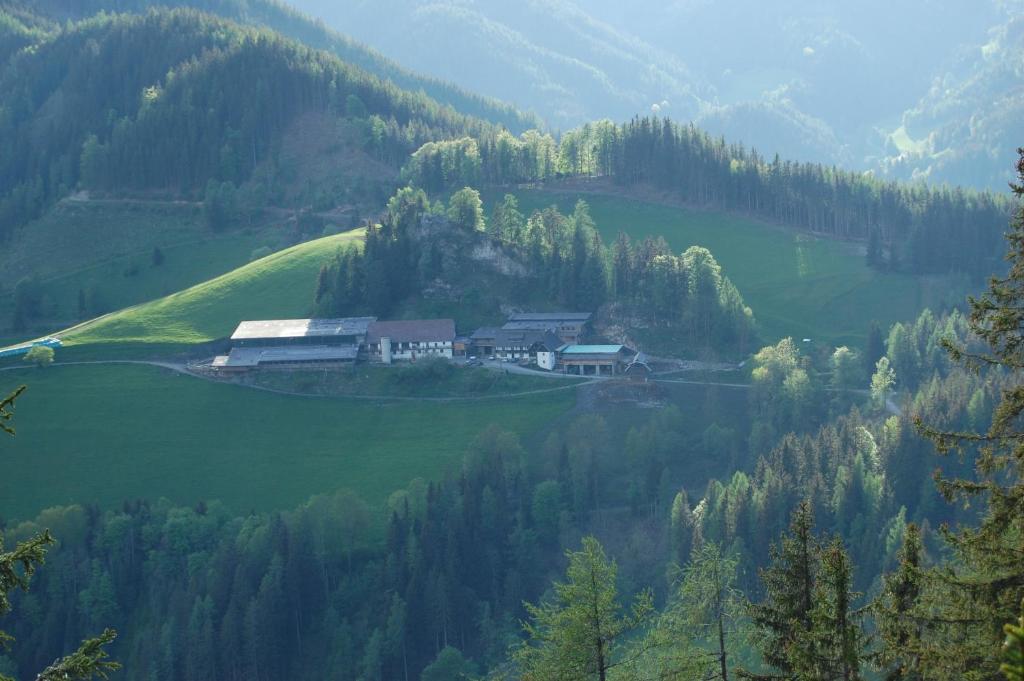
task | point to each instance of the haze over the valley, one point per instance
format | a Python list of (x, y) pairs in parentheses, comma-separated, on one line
[(916, 89)]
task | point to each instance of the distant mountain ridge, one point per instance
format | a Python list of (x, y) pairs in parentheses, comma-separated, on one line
[(947, 136), (830, 82)]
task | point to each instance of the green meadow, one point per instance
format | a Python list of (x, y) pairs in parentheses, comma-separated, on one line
[(103, 255), (103, 434), (280, 285), (796, 284)]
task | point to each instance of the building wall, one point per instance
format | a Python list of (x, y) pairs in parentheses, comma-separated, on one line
[(408, 351), (547, 360), (300, 340), (512, 352)]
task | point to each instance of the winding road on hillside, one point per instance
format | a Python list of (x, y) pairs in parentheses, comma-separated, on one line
[(186, 369)]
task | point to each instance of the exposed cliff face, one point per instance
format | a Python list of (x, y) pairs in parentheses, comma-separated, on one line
[(456, 246), (488, 252)]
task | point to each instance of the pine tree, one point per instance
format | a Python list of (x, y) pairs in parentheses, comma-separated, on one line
[(622, 265), (783, 620), (581, 633), (834, 648), (972, 598), (874, 349), (899, 626), (6, 410), (1013, 650), (702, 627)]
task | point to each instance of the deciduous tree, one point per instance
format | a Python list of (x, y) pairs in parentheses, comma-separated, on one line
[(40, 355)]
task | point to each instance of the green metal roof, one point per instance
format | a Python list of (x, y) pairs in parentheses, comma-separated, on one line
[(591, 349)]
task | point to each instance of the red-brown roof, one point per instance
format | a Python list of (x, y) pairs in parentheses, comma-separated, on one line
[(412, 330)]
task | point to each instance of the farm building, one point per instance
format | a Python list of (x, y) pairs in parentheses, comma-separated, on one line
[(593, 360), (410, 339), (461, 346), (290, 332), (570, 327), (304, 356), (292, 343), (514, 344)]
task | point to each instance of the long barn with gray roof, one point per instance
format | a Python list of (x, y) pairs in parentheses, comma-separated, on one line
[(571, 327)]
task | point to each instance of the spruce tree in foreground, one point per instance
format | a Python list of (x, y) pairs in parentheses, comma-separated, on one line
[(581, 633), (899, 628), (1013, 650), (969, 600), (806, 626), (834, 648), (782, 620)]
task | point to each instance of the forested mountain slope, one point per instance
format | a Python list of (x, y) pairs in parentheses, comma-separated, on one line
[(947, 136), (906, 227), (816, 81), (551, 57), (172, 100), (279, 17)]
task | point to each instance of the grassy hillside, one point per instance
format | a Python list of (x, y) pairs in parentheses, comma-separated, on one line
[(103, 251), (125, 432), (796, 284), (279, 285)]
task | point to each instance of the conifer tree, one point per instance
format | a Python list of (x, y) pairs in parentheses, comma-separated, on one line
[(1013, 650), (783, 620), (899, 627), (703, 625), (6, 406), (972, 598), (834, 648), (580, 634)]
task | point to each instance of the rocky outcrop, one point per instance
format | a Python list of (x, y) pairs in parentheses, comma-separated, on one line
[(487, 251)]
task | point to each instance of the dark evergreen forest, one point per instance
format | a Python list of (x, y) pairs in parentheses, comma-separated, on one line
[(283, 19), (208, 101), (911, 227)]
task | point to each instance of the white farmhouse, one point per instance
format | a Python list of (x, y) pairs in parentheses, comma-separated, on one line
[(410, 339)]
